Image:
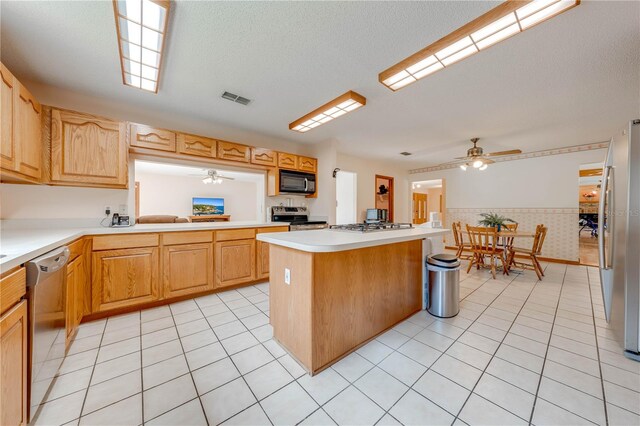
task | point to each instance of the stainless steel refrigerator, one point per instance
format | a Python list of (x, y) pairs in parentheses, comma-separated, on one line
[(619, 238)]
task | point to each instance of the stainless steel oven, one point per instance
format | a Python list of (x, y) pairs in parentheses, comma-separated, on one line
[(292, 182)]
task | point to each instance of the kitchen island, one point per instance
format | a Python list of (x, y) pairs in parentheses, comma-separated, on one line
[(332, 291)]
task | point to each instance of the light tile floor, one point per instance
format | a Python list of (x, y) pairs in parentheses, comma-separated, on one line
[(519, 352)]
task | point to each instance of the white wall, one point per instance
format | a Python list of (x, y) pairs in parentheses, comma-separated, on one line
[(164, 194), (367, 169)]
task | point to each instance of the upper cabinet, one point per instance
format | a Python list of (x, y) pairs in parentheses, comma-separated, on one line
[(287, 161), (88, 151), (264, 157), (149, 137), (234, 152), (307, 164), (21, 131), (196, 145)]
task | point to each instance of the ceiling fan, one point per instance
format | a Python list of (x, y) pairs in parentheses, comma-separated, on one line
[(212, 176), (477, 159)]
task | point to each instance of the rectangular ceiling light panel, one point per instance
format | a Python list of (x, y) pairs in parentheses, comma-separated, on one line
[(141, 26), (499, 23), (339, 106)]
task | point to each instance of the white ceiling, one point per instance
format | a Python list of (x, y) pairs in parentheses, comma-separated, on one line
[(166, 169), (572, 80)]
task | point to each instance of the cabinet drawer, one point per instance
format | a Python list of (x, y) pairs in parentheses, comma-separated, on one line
[(12, 288), (264, 157), (307, 164), (76, 248), (110, 242), (287, 161), (196, 145), (148, 137), (173, 238), (234, 152), (272, 229), (235, 234)]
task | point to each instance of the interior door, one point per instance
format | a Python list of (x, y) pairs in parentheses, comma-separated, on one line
[(419, 208)]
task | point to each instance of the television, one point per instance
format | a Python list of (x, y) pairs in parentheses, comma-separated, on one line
[(207, 206)]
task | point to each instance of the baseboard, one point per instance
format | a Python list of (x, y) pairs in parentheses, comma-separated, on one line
[(540, 258)]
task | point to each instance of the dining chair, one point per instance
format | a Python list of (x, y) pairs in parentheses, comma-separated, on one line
[(459, 242), (532, 253), (484, 243), (507, 242)]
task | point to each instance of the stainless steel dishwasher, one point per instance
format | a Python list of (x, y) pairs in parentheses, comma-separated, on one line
[(46, 295)]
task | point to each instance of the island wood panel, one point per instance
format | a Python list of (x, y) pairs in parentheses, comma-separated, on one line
[(124, 278), (149, 137), (196, 145), (187, 269), (13, 369), (88, 150), (290, 306)]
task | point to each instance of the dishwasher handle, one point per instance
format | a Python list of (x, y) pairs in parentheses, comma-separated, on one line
[(46, 264)]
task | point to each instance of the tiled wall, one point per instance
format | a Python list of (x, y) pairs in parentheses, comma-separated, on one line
[(562, 237)]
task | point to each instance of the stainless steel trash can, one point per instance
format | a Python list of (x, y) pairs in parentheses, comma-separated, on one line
[(443, 296)]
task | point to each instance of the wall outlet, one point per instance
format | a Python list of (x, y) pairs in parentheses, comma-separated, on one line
[(287, 276), (107, 210), (122, 209)]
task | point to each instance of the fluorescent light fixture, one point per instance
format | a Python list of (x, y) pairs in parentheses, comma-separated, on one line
[(500, 23), (339, 106), (141, 26)]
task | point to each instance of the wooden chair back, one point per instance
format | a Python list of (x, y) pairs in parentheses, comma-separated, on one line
[(538, 240), (483, 239), (456, 229), (513, 227)]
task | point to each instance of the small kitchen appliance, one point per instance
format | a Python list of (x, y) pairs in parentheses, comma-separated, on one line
[(377, 215), (292, 182), (296, 217)]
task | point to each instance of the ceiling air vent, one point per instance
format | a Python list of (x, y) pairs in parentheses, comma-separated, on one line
[(236, 98), (405, 153)]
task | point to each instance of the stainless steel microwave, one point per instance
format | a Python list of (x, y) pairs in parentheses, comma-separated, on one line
[(297, 182)]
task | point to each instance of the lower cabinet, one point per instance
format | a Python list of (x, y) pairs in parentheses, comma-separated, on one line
[(188, 268), (262, 260), (13, 353), (235, 262), (124, 277), (76, 279)]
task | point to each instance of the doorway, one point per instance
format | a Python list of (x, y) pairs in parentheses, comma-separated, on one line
[(419, 208), (346, 197), (384, 195), (427, 201), (589, 181)]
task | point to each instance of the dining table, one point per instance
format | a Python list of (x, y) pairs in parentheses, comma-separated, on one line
[(504, 236)]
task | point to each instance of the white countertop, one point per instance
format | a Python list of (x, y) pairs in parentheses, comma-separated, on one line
[(23, 244), (330, 240)]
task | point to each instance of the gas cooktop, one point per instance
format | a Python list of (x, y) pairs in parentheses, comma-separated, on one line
[(371, 227)]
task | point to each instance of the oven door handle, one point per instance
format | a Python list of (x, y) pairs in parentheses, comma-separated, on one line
[(306, 184)]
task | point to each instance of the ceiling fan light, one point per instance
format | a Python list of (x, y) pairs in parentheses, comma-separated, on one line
[(483, 167), (477, 164), (463, 167)]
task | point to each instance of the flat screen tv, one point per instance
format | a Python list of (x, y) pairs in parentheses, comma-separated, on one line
[(207, 206)]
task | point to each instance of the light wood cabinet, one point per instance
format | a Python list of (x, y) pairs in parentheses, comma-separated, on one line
[(307, 164), (13, 286), (188, 268), (75, 284), (124, 277), (264, 157), (287, 161), (262, 252), (13, 353), (88, 150), (149, 137), (235, 262), (234, 152), (21, 131), (196, 145)]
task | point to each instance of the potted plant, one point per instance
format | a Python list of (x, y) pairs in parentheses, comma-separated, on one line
[(494, 220)]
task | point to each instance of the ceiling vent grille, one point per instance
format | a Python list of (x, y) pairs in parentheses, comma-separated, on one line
[(236, 98), (405, 153)]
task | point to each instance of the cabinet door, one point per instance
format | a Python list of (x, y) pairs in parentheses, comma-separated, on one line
[(264, 157), (81, 282), (7, 144), (307, 164), (188, 268), (196, 145), (287, 161), (74, 300), (13, 353), (88, 150), (234, 152), (235, 262), (125, 277), (262, 260), (148, 137), (27, 133)]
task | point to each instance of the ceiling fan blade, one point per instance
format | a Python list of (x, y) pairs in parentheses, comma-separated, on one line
[(194, 175), (510, 152), (227, 178), (463, 158)]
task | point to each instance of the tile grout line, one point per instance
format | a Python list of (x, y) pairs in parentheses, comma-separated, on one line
[(595, 332)]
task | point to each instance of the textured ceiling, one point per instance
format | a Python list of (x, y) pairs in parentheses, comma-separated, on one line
[(572, 80)]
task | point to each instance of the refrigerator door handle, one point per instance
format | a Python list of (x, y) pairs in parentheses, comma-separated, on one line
[(605, 215)]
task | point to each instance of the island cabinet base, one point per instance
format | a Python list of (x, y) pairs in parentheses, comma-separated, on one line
[(337, 301)]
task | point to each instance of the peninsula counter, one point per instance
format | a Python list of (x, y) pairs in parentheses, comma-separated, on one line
[(332, 291)]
